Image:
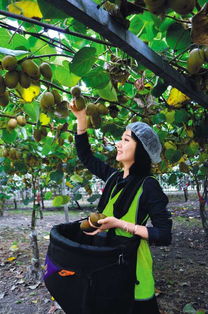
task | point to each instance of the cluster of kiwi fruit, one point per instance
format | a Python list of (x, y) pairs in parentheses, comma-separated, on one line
[(93, 111), (39, 133), (12, 153), (14, 122), (196, 58), (20, 72), (78, 99), (159, 7), (87, 226), (51, 101)]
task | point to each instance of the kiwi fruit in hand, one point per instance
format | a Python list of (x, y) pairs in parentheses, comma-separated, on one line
[(85, 226), (94, 217)]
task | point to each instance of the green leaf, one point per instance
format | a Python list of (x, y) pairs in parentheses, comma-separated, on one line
[(77, 197), (65, 78), (158, 45), (49, 11), (173, 155), (78, 27), (97, 78), (57, 201), (48, 195), (172, 180), (177, 37), (158, 118), (93, 198), (4, 4), (83, 61), (137, 25), (76, 178), (47, 146), (181, 116), (66, 199), (202, 2), (33, 110), (108, 92), (56, 176), (112, 129), (9, 136)]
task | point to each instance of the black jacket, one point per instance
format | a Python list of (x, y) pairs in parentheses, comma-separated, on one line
[(152, 200)]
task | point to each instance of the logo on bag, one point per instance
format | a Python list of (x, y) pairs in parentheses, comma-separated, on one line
[(64, 273)]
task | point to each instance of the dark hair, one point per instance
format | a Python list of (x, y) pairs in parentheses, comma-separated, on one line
[(142, 164)]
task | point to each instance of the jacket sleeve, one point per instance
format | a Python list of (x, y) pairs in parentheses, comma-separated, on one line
[(153, 202), (92, 163)]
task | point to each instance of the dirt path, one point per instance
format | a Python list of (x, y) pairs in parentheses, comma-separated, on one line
[(181, 270)]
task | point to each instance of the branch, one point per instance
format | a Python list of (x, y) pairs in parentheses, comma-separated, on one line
[(42, 37), (55, 28)]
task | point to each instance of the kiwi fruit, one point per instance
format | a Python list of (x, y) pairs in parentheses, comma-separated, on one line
[(21, 120), (4, 99), (206, 53), (195, 60), (62, 109), (2, 85), (31, 69), (24, 80), (182, 6), (91, 109), (45, 70), (47, 100), (57, 96), (102, 109), (94, 217), (13, 153), (89, 123), (70, 138), (6, 152), (156, 7), (113, 111), (9, 63), (122, 99), (75, 91), (80, 103), (85, 226), (37, 135), (12, 123), (43, 132), (96, 121), (11, 79)]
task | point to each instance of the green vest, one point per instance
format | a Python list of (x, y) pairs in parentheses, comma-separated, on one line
[(146, 287)]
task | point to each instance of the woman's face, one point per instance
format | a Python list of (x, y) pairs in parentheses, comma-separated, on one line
[(126, 149)]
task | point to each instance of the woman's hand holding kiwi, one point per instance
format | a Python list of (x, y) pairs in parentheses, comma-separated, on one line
[(98, 222)]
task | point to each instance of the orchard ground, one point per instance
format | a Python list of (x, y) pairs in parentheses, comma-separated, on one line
[(181, 270)]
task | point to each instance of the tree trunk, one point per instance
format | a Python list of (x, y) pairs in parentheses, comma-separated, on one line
[(204, 216), (66, 212), (15, 203), (202, 205), (42, 198), (35, 268)]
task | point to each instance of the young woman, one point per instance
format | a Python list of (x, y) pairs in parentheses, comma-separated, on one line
[(130, 198)]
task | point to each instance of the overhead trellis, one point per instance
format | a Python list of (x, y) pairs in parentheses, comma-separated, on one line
[(96, 18)]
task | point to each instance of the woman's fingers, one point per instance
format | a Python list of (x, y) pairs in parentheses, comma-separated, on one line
[(92, 233)]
